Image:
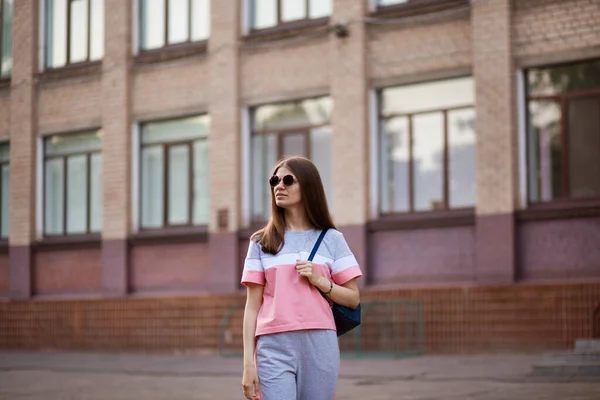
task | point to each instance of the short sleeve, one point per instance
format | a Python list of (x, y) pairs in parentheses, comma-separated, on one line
[(345, 267), (253, 269)]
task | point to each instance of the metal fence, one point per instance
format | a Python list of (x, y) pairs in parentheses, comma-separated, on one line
[(388, 329)]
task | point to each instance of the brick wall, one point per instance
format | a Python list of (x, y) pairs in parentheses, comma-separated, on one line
[(175, 266), (415, 49), (67, 271), (177, 87), (550, 26), (522, 318), (284, 70), (4, 274), (58, 112)]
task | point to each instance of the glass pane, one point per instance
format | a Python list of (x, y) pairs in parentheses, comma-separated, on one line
[(79, 30), (584, 147), (304, 113), (264, 13), (564, 78), (72, 143), (320, 154), (179, 185), (428, 167), (264, 157), (152, 24), (96, 193), (428, 96), (320, 8), (461, 158), (390, 2), (76, 194), (294, 144), (200, 19), (395, 162), (4, 152), (56, 33), (176, 130), (5, 217), (201, 184), (97, 30), (53, 197), (544, 151), (152, 187), (179, 21), (292, 10), (6, 34)]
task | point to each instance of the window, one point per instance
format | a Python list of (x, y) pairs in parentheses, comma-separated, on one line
[(270, 13), (563, 135), (383, 3), (74, 31), (174, 173), (295, 128), (168, 22), (427, 146), (6, 7), (4, 190), (73, 184)]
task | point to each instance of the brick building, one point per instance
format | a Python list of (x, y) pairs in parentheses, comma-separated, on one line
[(137, 138)]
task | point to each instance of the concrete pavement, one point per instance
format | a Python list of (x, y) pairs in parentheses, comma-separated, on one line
[(102, 376)]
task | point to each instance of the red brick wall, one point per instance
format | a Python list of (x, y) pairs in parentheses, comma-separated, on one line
[(173, 267), (67, 272), (521, 318), (4, 273)]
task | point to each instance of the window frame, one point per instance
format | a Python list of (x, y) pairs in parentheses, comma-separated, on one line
[(68, 63), (279, 25), (279, 133), (167, 46), (165, 146), (381, 118), (88, 212), (562, 99)]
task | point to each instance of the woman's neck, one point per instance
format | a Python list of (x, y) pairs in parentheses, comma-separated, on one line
[(296, 219)]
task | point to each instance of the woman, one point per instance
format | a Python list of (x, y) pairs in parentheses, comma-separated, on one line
[(290, 343)]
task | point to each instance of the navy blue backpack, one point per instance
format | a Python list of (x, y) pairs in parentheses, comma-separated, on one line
[(345, 318)]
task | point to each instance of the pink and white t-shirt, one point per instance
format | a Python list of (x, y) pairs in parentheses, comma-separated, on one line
[(290, 302)]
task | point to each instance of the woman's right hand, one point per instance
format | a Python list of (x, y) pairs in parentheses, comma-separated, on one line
[(250, 383)]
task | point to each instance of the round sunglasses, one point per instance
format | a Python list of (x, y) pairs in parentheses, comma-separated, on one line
[(288, 180)]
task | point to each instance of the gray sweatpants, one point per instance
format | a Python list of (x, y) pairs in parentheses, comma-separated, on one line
[(298, 365)]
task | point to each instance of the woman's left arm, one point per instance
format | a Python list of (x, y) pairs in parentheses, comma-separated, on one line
[(347, 294)]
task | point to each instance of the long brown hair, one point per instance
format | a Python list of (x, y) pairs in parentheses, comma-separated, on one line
[(271, 237)]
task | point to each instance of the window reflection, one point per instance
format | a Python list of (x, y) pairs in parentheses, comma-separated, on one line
[(563, 137), (270, 13), (6, 38), (428, 147), (174, 172), (153, 24), (72, 184), (418, 122), (462, 154), (292, 10), (287, 129), (74, 31)]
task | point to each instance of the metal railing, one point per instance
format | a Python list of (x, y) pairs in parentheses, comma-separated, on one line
[(389, 329)]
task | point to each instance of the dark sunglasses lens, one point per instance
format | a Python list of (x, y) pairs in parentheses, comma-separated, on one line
[(274, 181), (288, 180)]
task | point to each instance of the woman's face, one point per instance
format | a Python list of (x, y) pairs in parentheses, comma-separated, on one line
[(286, 196)]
